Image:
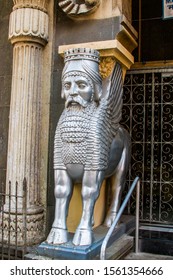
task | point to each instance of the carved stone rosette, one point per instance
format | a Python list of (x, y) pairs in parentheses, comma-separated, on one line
[(74, 9), (28, 32)]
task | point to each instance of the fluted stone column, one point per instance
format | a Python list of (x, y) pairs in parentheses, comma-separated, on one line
[(28, 32)]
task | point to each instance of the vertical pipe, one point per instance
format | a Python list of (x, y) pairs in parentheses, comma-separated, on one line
[(139, 32), (161, 143), (137, 217), (152, 146), (144, 142)]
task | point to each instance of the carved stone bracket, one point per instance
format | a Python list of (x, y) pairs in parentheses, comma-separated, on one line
[(110, 51), (73, 9)]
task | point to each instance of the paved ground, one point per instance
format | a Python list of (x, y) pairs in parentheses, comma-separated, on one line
[(146, 256)]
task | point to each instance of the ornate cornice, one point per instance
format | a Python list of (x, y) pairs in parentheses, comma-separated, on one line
[(73, 9), (28, 24), (36, 4)]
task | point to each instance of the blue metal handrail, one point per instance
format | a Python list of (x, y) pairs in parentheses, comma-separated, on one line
[(111, 229)]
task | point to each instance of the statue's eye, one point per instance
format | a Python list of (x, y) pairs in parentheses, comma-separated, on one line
[(81, 85), (67, 86)]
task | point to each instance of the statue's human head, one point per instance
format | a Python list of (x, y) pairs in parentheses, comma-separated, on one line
[(81, 80)]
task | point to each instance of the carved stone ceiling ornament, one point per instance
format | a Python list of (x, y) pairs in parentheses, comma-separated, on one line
[(75, 8)]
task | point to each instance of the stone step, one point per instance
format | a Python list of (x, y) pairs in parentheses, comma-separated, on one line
[(119, 248), (156, 240)]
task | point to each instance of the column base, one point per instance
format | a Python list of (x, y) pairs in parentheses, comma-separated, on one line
[(21, 229)]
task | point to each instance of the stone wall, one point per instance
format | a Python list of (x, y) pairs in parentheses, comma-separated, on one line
[(5, 84)]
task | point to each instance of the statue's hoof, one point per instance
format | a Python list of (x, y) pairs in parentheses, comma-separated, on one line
[(83, 237), (57, 236), (110, 219)]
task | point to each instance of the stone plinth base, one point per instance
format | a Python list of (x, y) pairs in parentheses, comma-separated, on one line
[(70, 252), (21, 229)]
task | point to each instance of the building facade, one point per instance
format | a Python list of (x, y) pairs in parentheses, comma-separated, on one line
[(34, 34)]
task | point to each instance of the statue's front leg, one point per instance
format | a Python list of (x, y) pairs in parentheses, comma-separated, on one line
[(92, 181), (63, 192)]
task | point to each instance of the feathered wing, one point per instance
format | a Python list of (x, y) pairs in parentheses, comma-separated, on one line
[(114, 98), (106, 121)]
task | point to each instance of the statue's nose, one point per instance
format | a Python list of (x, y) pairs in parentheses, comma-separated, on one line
[(73, 90)]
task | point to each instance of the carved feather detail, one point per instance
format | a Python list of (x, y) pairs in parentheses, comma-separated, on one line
[(114, 98), (106, 121)]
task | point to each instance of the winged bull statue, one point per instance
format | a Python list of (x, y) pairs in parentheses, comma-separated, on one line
[(89, 145)]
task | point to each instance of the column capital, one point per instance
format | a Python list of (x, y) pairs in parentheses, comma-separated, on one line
[(28, 24), (34, 4)]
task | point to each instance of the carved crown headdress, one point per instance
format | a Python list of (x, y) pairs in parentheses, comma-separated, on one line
[(82, 53)]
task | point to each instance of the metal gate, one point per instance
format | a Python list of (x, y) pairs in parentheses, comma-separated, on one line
[(148, 116), (11, 230)]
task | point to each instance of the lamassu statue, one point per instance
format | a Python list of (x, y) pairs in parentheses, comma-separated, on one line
[(90, 145)]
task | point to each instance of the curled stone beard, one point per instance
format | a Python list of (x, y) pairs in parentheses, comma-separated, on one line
[(75, 122), (72, 134)]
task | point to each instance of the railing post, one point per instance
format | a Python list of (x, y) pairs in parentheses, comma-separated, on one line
[(111, 229), (137, 217)]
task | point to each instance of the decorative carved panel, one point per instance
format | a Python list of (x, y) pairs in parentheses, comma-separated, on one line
[(76, 8)]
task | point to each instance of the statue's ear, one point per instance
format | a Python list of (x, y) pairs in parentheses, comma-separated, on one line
[(97, 92), (62, 94)]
